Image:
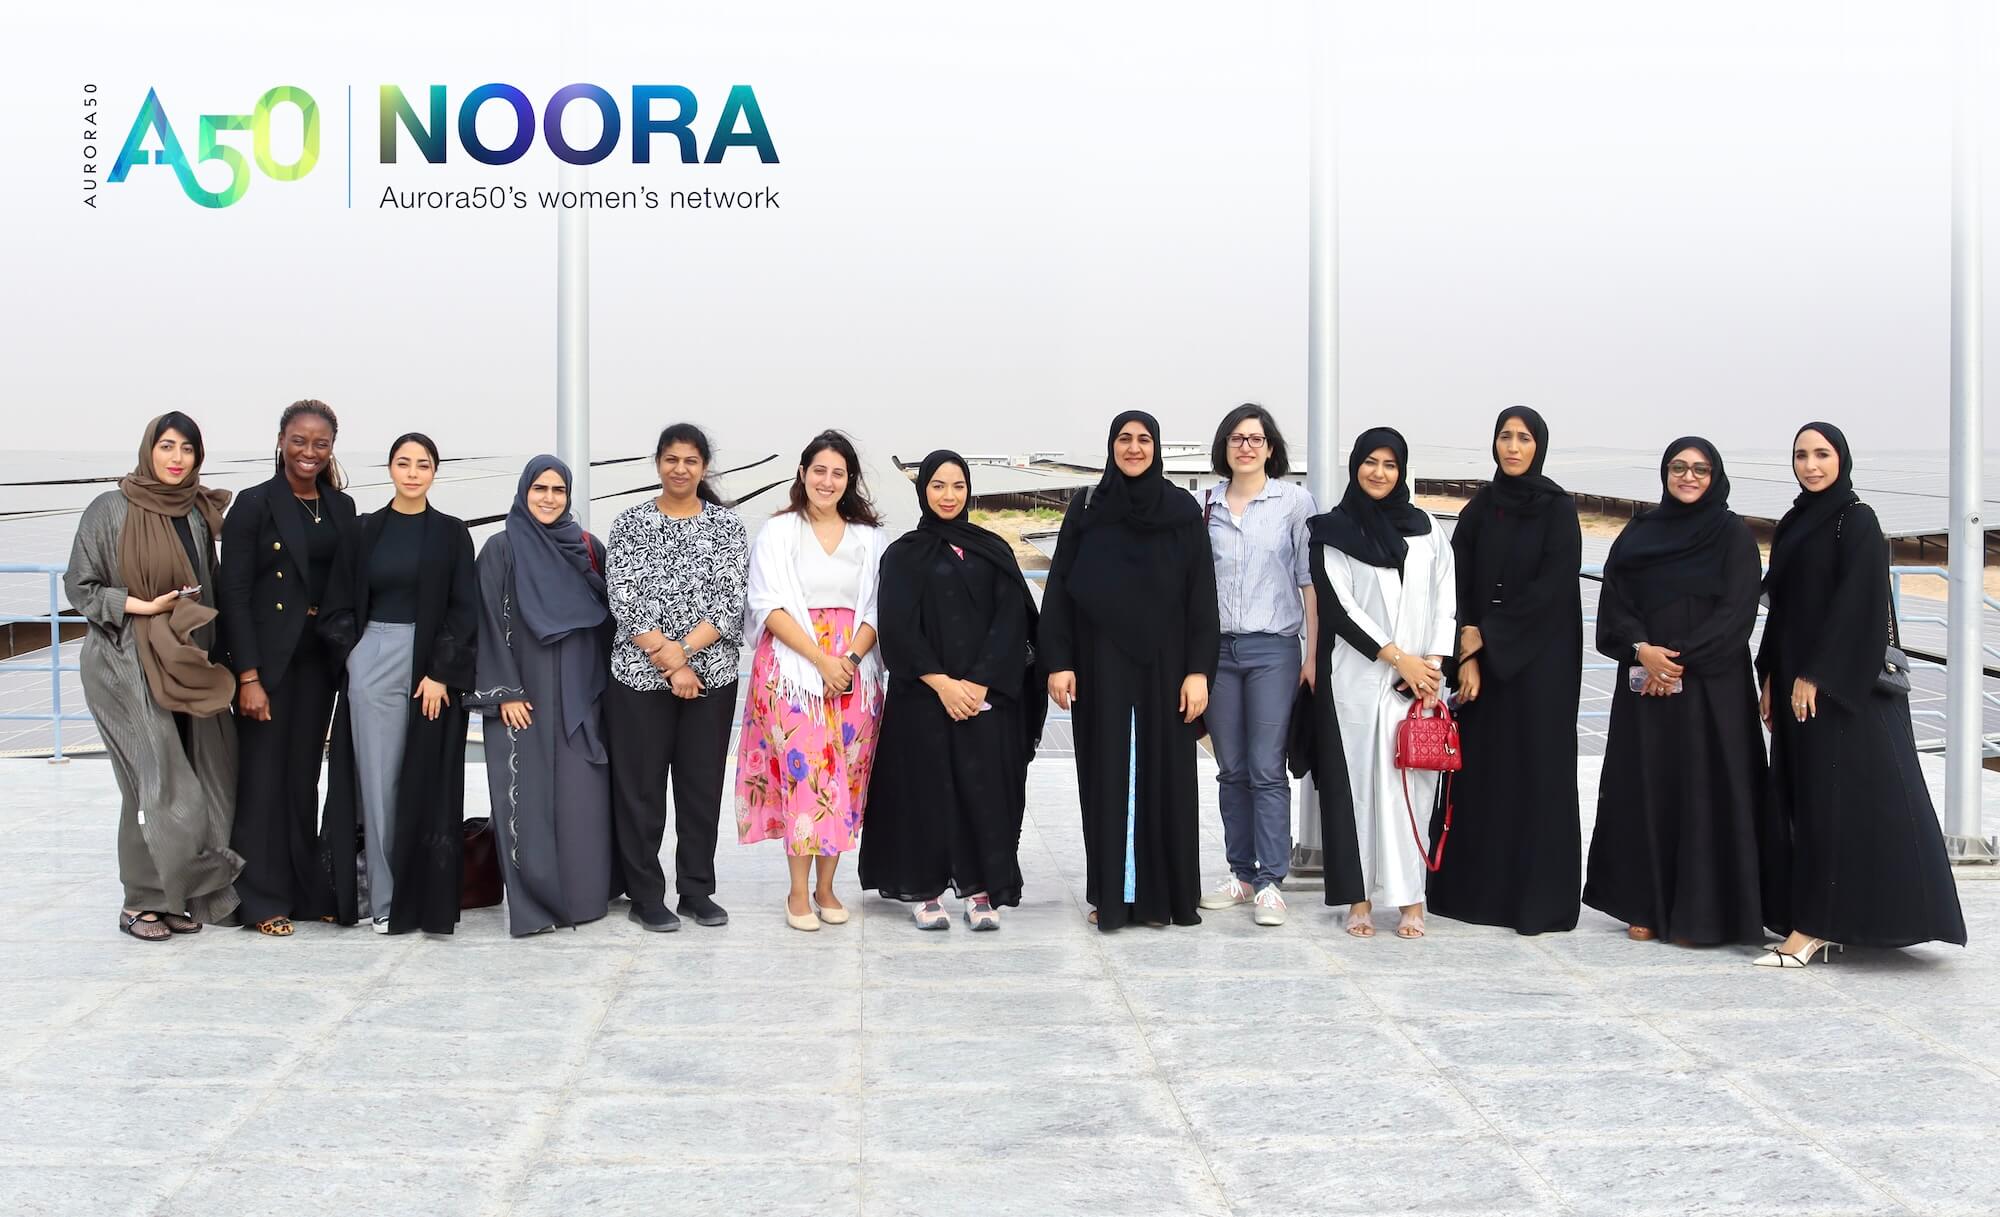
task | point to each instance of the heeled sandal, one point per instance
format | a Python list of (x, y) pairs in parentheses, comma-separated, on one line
[(1776, 958)]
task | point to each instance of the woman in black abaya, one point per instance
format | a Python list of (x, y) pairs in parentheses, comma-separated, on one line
[(951, 765), (1866, 864), (1515, 853), (1681, 821), (1130, 639)]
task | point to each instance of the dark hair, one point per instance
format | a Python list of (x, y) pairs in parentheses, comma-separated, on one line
[(694, 437), (331, 475), (854, 505), (414, 437), (174, 420), (1276, 465)]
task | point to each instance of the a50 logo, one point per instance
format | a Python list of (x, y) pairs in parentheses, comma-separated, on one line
[(153, 118)]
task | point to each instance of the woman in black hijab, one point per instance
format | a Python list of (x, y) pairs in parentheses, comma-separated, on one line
[(544, 651), (1130, 639), (1681, 813), (1515, 853), (962, 716), (1866, 864)]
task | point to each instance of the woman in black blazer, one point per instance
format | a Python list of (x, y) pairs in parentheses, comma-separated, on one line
[(403, 624), (281, 542)]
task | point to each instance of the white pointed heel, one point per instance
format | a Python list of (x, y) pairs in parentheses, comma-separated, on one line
[(1775, 958)]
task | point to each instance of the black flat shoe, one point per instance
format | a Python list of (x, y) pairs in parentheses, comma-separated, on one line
[(703, 909), (667, 923)]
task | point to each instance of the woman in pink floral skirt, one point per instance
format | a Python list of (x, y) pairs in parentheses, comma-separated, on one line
[(815, 692)]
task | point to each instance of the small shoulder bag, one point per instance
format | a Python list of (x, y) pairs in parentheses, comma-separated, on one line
[(1430, 742)]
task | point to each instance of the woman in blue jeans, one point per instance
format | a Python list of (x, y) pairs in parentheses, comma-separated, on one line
[(1257, 529)]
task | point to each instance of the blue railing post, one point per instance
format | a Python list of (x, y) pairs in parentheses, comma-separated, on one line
[(55, 666)]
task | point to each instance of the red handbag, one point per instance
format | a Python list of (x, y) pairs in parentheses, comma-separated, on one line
[(1426, 741)]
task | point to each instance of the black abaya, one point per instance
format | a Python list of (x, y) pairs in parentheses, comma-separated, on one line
[(1135, 757), (946, 798), (1867, 865), (1682, 820), (427, 854), (1515, 853)]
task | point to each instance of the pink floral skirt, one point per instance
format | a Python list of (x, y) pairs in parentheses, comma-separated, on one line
[(802, 771)]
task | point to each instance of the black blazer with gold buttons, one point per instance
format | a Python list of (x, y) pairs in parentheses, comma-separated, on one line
[(263, 567)]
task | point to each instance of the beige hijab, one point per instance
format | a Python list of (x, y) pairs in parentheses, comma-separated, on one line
[(152, 562)]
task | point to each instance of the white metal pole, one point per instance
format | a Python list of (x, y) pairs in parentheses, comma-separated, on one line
[(573, 304), (1964, 675), (1324, 472)]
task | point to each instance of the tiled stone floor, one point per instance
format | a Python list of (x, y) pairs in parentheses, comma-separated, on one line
[(1043, 1070)]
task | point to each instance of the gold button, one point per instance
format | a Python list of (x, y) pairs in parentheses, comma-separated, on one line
[(281, 608), (276, 545), (281, 574)]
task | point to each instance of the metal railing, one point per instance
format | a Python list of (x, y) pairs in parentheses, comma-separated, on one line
[(55, 715)]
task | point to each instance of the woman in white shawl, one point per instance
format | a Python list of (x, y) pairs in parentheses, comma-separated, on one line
[(815, 694), (1388, 608)]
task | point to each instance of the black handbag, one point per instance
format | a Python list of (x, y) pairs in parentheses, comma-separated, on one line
[(1894, 678), (480, 885)]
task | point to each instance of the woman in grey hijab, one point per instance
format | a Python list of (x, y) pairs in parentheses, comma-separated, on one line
[(544, 651)]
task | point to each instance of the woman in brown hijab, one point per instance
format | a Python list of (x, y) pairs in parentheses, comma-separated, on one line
[(140, 572)]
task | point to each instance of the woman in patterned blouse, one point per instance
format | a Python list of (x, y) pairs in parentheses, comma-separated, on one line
[(676, 574)]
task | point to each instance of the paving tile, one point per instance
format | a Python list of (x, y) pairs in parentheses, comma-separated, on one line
[(1414, 1174), (722, 1125), (782, 1055), (377, 1183), (1760, 1042), (359, 1055), (89, 1120), (1145, 1184), (1752, 1178), (1269, 1046), (1278, 999), (1631, 1102), (1548, 1042), (1827, 1095), (991, 1004), (1013, 1116), (1232, 1112), (977, 1061), (768, 1189), (133, 1055), (1929, 1173), (429, 1123), (68, 1191), (388, 1009), (662, 1006)]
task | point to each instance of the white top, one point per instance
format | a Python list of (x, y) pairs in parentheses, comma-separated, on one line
[(832, 580)]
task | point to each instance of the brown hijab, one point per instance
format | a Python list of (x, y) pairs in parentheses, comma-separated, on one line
[(152, 562)]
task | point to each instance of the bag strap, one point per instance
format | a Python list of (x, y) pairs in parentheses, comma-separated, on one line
[(1436, 856), (1895, 632), (590, 552)]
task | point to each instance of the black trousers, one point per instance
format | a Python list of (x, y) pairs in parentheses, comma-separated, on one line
[(277, 789), (652, 737)]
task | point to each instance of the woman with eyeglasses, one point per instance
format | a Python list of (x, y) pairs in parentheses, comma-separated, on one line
[(1865, 864), (403, 615), (1256, 525), (140, 573), (281, 542), (1129, 638), (544, 647), (1514, 856), (1681, 812)]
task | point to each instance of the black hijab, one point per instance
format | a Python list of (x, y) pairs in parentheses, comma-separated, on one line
[(560, 597), (934, 530), (1528, 493), (1133, 585), (1368, 529), (1812, 508), (1676, 549)]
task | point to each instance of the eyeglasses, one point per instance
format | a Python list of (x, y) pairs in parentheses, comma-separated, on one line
[(1254, 443), (1681, 469)]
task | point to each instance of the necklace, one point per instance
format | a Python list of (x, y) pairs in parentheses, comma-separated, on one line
[(311, 505)]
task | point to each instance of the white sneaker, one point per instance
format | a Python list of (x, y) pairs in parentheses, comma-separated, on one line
[(1230, 893), (381, 925), (1270, 908)]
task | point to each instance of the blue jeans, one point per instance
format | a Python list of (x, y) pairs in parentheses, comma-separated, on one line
[(1249, 711)]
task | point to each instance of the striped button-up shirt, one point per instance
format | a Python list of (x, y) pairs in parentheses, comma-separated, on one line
[(1260, 564)]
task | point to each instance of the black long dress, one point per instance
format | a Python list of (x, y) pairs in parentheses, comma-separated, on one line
[(1867, 865), (1515, 854), (1135, 757), (276, 549), (1682, 821), (946, 798), (427, 854)]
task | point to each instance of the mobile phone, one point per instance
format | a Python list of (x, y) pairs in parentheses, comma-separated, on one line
[(1635, 680), (190, 591)]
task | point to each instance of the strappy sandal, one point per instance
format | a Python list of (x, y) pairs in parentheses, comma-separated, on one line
[(157, 931), (275, 927), (1411, 927), (1361, 925), (180, 923)]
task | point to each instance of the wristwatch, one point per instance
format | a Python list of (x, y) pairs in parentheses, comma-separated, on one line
[(854, 658)]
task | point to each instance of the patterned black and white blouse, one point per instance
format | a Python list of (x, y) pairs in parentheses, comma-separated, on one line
[(671, 575)]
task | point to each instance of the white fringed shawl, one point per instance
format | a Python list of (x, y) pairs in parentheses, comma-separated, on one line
[(775, 584)]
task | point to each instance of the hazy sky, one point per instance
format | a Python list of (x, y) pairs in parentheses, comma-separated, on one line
[(1001, 225)]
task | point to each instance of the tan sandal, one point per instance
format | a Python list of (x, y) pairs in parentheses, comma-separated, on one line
[(1411, 926), (1361, 925)]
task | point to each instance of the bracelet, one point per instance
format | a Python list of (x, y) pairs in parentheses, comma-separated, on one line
[(241, 681)]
